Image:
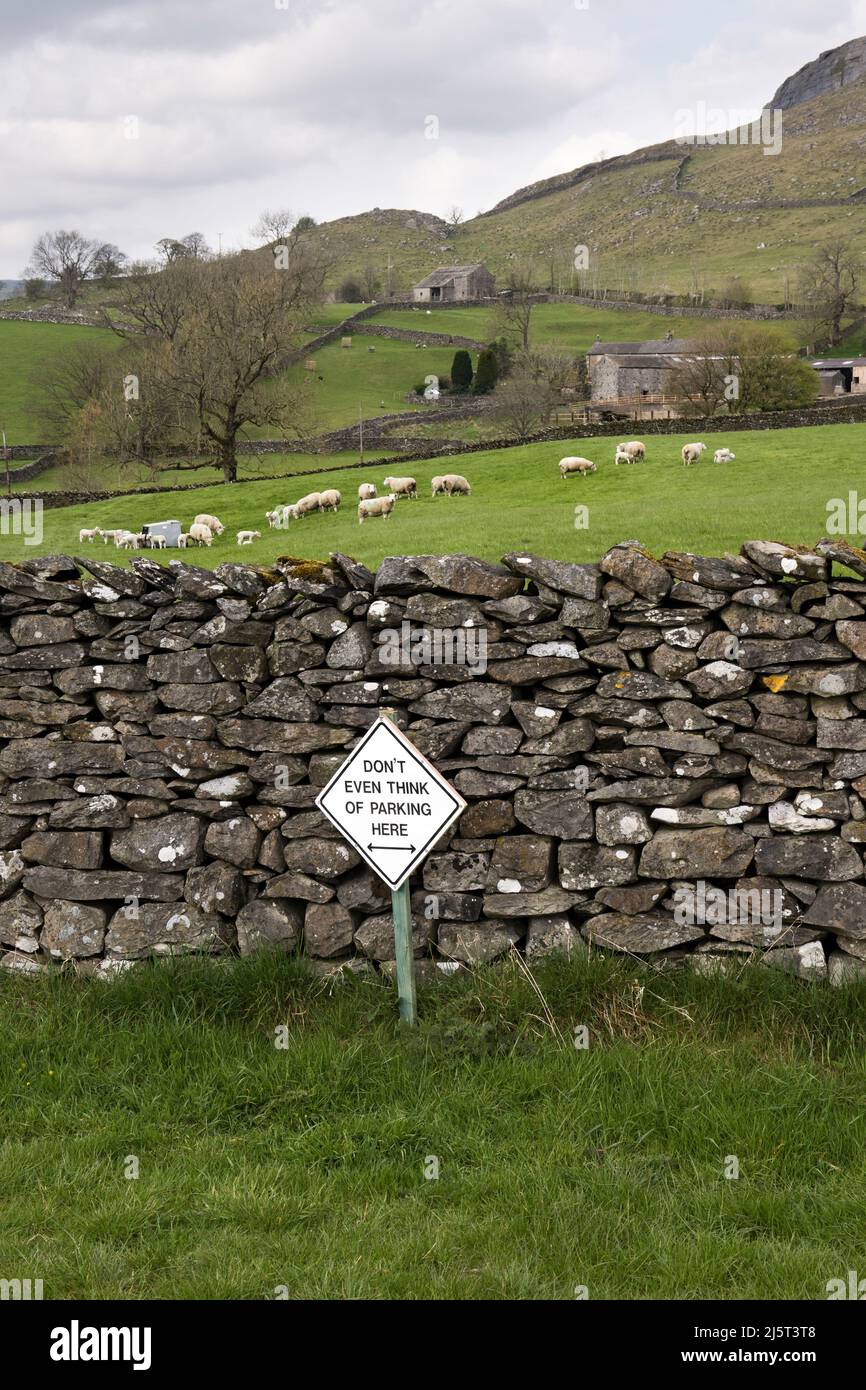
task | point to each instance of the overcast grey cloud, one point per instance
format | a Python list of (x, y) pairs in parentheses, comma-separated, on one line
[(320, 105)]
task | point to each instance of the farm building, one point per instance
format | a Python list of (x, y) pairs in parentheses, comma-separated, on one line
[(451, 283), (634, 372), (841, 376)]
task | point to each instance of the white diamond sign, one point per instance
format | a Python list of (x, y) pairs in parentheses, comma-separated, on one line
[(389, 802)]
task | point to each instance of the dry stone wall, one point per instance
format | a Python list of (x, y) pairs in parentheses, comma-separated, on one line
[(662, 756)]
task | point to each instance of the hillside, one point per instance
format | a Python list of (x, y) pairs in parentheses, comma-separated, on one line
[(667, 218)]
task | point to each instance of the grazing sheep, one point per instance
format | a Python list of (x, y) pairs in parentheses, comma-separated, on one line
[(311, 503), (692, 452), (183, 540), (200, 533), (330, 499), (89, 536), (366, 492), (437, 485), (402, 487), (376, 506), (213, 524), (247, 537), (575, 464), (630, 452), (723, 456), (456, 485)]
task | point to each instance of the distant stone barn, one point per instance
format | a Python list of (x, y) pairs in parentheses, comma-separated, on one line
[(634, 371), (451, 283)]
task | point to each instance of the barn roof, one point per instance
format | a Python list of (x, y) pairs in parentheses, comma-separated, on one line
[(446, 273), (652, 346), (830, 364)]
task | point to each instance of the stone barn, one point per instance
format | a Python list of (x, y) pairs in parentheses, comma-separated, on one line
[(451, 283), (633, 372), (840, 376)]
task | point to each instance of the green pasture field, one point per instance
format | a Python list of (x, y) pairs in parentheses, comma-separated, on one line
[(779, 487), (306, 1171)]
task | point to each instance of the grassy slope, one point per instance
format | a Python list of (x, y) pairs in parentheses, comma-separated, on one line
[(24, 349), (778, 487), (636, 228), (375, 381), (572, 326), (303, 1167)]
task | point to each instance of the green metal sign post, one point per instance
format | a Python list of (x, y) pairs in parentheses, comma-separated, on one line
[(402, 910), (392, 806)]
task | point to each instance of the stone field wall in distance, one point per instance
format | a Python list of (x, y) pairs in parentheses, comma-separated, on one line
[(649, 747)]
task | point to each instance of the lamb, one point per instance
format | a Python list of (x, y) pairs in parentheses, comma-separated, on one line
[(692, 452), (88, 535), (723, 456), (402, 487), (274, 518), (376, 506), (213, 524), (630, 452), (127, 540), (110, 536), (330, 499), (575, 464), (156, 542), (183, 540), (366, 492), (456, 485), (437, 485), (247, 537), (200, 533)]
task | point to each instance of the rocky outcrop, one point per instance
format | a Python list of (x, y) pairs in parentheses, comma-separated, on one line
[(662, 755), (835, 68)]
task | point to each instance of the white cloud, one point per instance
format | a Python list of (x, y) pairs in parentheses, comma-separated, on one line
[(321, 106)]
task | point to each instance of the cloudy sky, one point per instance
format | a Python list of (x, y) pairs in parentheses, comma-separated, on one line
[(131, 120)]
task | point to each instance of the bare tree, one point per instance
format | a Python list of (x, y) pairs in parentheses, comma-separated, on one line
[(194, 245), (515, 308), (273, 226), (371, 283), (65, 382), (455, 218), (829, 285), (522, 404), (212, 358), (68, 260)]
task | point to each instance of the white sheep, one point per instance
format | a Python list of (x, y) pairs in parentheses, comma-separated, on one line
[(128, 540), (575, 464), (692, 452), (247, 537), (110, 536), (366, 492), (723, 456), (156, 542), (88, 535), (376, 506), (311, 503), (330, 499), (402, 487), (274, 518), (200, 533), (213, 524), (630, 452), (437, 485), (456, 485), (183, 540)]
